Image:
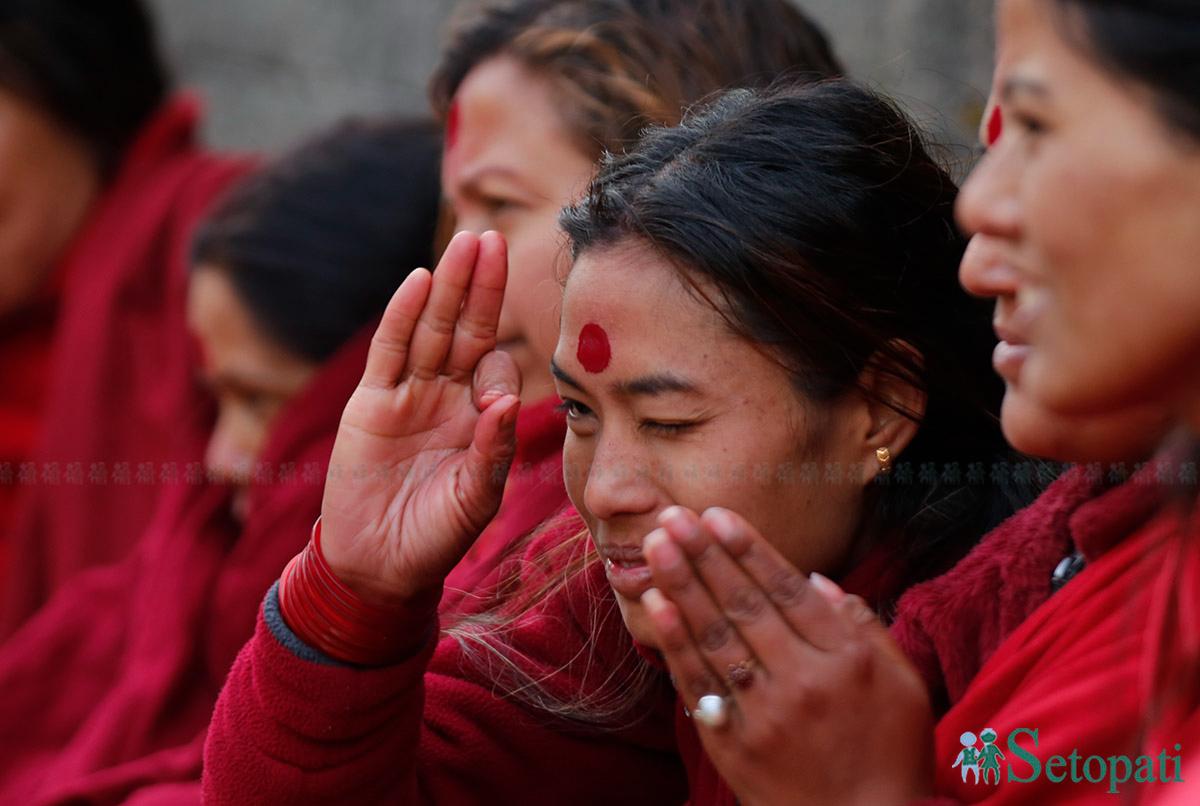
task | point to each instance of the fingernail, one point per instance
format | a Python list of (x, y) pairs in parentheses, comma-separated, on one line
[(661, 551), (828, 588), (721, 523), (508, 420), (653, 599)]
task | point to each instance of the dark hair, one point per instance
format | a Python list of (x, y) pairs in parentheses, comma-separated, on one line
[(827, 232), (94, 67), (316, 243), (1156, 43), (620, 65)]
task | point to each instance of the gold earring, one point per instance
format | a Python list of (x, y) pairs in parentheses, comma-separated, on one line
[(884, 456)]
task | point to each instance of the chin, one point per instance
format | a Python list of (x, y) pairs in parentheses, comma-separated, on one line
[(637, 622)]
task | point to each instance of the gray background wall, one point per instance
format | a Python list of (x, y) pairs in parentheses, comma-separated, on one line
[(273, 70)]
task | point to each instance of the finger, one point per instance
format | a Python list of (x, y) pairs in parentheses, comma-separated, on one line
[(389, 345), (435, 327), (738, 596), (495, 376), (809, 613), (716, 637), (693, 677), (475, 333), (480, 484)]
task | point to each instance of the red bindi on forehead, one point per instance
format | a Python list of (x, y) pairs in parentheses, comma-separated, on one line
[(452, 126), (594, 352), (995, 126)]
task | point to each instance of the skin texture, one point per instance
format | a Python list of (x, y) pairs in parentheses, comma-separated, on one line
[(48, 183), (635, 447), (512, 167), (1094, 199), (251, 377)]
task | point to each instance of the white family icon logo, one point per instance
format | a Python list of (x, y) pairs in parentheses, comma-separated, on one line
[(978, 760)]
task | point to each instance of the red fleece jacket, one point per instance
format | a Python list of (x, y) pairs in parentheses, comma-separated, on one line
[(440, 727)]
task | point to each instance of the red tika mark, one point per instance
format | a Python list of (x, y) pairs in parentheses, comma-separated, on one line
[(452, 119), (995, 126), (594, 352)]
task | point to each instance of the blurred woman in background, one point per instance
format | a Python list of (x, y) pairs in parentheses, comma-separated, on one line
[(111, 684), (101, 183)]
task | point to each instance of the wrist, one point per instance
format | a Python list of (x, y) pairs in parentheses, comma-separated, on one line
[(325, 613)]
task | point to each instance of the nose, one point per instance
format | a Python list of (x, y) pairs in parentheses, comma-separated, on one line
[(988, 201), (984, 272), (619, 482), (226, 457)]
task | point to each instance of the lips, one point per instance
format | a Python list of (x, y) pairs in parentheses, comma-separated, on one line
[(1011, 352), (626, 569)]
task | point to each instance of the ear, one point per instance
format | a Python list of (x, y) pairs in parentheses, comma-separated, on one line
[(894, 407)]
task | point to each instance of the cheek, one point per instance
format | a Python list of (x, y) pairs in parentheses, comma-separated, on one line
[(577, 464)]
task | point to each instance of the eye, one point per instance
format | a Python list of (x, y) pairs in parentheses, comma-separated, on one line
[(666, 429), (498, 205), (574, 409), (1027, 123), (581, 420)]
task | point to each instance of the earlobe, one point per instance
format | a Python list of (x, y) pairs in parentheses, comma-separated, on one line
[(895, 408)]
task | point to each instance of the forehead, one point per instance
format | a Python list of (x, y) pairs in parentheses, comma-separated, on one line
[(506, 116), (647, 311)]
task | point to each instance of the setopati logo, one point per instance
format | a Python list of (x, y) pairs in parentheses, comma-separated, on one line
[(982, 762)]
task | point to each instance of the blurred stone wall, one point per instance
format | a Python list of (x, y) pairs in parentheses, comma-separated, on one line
[(273, 70)]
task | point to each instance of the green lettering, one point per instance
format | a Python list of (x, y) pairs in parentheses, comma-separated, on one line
[(1029, 758), (1145, 770), (1075, 778), (1087, 766), (1113, 763), (1162, 766), (1056, 762), (1178, 779)]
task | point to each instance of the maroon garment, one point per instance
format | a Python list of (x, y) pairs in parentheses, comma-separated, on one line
[(436, 728), (24, 366), (950, 625), (122, 405), (109, 689)]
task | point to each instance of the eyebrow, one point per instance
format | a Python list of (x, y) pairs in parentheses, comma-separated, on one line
[(646, 386), (1017, 84)]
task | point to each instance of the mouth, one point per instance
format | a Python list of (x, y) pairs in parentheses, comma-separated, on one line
[(1010, 353), (626, 569)]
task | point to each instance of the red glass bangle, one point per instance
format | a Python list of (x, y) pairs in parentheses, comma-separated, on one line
[(327, 615)]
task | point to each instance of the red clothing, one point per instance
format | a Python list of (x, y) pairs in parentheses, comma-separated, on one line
[(131, 657), (1076, 670), (110, 687), (24, 366), (433, 729), (122, 404), (949, 626)]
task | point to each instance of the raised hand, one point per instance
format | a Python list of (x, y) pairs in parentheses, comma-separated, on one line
[(819, 704), (424, 445)]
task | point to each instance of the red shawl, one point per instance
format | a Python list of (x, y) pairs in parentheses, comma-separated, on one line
[(110, 687), (123, 411), (24, 365)]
